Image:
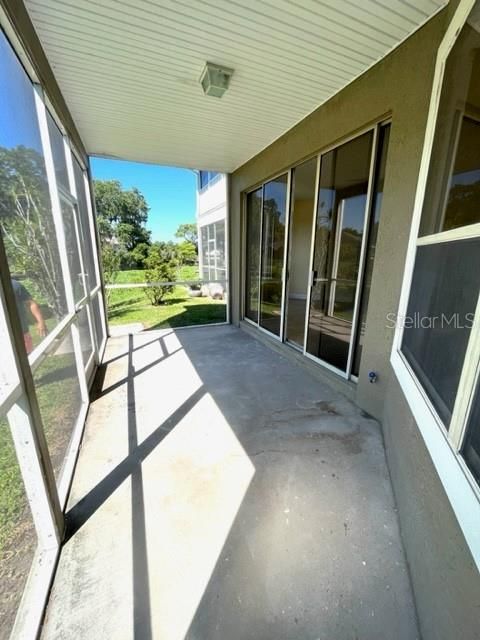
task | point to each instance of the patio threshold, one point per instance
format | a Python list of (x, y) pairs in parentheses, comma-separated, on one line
[(224, 492)]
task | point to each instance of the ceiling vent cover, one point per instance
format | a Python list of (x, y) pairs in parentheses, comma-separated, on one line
[(215, 79)]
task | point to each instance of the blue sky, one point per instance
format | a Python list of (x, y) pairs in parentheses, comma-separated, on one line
[(18, 118), (170, 192)]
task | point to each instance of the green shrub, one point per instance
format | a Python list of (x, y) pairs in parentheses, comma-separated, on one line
[(160, 268)]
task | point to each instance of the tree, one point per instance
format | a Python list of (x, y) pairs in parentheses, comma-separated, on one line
[(139, 254), (167, 251), (187, 253), (27, 224), (161, 266), (111, 266), (189, 233), (122, 216)]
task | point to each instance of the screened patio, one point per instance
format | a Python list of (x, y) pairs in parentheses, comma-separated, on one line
[(213, 483)]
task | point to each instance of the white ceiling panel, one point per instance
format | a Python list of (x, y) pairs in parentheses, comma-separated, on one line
[(129, 69)]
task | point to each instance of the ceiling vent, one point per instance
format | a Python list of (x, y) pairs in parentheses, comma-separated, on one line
[(215, 79)]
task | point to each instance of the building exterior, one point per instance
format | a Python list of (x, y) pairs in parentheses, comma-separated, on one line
[(211, 223), (353, 232), (402, 154)]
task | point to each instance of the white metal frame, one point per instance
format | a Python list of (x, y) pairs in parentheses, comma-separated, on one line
[(316, 159), (363, 250), (444, 448), (374, 128), (283, 308), (244, 256), (46, 497), (25, 424), (288, 173)]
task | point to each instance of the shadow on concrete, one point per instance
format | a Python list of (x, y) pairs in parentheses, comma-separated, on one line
[(309, 549)]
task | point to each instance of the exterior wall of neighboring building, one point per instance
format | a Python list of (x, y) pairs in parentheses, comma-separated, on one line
[(211, 222), (444, 575)]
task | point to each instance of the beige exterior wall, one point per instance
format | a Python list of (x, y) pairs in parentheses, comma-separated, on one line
[(445, 579)]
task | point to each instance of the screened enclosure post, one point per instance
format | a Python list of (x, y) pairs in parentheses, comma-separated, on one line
[(20, 420), (54, 197), (77, 344), (60, 235), (76, 218), (97, 256), (27, 428)]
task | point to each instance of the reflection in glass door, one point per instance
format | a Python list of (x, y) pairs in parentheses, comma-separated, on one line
[(272, 254), (252, 257), (339, 232), (371, 242), (265, 254), (310, 247), (302, 209)]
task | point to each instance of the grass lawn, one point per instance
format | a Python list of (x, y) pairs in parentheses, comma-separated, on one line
[(59, 401), (58, 396), (178, 309)]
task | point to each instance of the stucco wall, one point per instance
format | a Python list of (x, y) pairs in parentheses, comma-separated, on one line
[(445, 580), (393, 88)]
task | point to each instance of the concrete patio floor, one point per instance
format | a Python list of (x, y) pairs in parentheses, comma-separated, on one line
[(223, 493)]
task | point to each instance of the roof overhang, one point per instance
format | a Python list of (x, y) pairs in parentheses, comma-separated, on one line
[(129, 69)]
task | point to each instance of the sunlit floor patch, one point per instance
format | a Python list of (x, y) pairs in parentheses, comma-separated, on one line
[(222, 493)]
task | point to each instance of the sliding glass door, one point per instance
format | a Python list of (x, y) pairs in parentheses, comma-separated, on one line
[(340, 223), (252, 256), (265, 254), (273, 250), (371, 243), (310, 251), (302, 209)]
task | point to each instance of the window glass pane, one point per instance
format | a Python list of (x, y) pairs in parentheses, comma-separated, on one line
[(203, 179), (471, 447), (68, 216), (252, 269), (453, 185), (464, 194), (87, 241), (273, 245), (26, 220), (443, 298), (384, 136), (58, 152), (56, 378), (18, 538)]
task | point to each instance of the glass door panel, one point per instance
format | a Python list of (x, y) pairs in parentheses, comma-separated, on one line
[(252, 257), (300, 233), (344, 177), (272, 253), (381, 153)]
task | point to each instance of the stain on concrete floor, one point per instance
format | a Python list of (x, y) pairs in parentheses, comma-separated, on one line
[(222, 493)]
